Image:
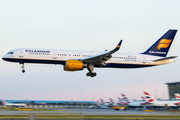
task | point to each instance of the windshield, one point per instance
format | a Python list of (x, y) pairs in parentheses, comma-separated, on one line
[(10, 53)]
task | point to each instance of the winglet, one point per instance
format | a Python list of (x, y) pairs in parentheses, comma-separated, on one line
[(117, 47)]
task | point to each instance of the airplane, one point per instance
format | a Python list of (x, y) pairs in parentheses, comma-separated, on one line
[(132, 104), (13, 104), (112, 103), (78, 60), (103, 104), (125, 99), (120, 101), (152, 102)]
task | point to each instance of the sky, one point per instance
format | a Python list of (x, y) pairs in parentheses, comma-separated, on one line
[(86, 25)]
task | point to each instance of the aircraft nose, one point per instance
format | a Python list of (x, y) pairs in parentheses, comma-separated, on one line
[(4, 57)]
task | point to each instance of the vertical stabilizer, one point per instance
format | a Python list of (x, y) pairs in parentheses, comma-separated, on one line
[(143, 98), (119, 101), (162, 45), (125, 99), (101, 101), (4, 102), (111, 101), (148, 97), (177, 96)]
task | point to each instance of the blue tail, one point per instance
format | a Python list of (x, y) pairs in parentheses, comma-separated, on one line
[(161, 46)]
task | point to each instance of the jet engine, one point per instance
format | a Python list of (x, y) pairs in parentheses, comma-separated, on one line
[(73, 65)]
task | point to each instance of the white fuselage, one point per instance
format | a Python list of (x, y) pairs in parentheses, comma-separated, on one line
[(52, 56), (135, 103), (15, 105), (163, 103)]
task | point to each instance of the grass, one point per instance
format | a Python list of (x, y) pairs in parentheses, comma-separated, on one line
[(92, 116), (54, 113), (14, 116), (107, 117)]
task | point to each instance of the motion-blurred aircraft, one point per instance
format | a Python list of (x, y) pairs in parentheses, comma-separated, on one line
[(132, 104), (13, 104), (102, 104), (153, 102), (112, 103)]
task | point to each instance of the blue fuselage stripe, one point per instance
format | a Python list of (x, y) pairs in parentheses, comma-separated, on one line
[(109, 65)]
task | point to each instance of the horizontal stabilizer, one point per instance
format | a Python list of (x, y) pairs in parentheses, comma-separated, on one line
[(171, 57)]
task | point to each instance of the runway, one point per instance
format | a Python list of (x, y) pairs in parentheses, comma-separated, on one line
[(92, 112)]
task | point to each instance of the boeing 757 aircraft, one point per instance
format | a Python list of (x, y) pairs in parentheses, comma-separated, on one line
[(77, 60)]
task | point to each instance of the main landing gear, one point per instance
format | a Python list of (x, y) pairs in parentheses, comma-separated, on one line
[(23, 70), (91, 74), (90, 68)]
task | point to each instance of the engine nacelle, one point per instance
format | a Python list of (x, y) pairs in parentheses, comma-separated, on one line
[(73, 65)]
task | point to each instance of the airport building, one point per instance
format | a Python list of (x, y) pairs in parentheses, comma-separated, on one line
[(173, 87)]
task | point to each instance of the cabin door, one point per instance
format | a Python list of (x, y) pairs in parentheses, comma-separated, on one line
[(144, 60), (21, 54), (54, 55)]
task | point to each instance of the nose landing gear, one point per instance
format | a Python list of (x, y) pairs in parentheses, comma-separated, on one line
[(23, 70)]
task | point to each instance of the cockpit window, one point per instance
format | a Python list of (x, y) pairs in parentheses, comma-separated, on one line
[(10, 53)]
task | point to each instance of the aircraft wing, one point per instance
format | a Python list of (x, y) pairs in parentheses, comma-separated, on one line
[(101, 58), (166, 58)]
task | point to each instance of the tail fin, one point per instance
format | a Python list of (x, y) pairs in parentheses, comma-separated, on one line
[(177, 96), (4, 102), (125, 99), (111, 101), (148, 97), (162, 45), (119, 101), (101, 101), (143, 98), (98, 103)]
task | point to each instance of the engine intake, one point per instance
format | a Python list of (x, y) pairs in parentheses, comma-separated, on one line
[(73, 65)]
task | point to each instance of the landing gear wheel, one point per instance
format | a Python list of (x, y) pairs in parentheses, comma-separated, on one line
[(91, 74), (88, 74), (23, 71), (94, 74)]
